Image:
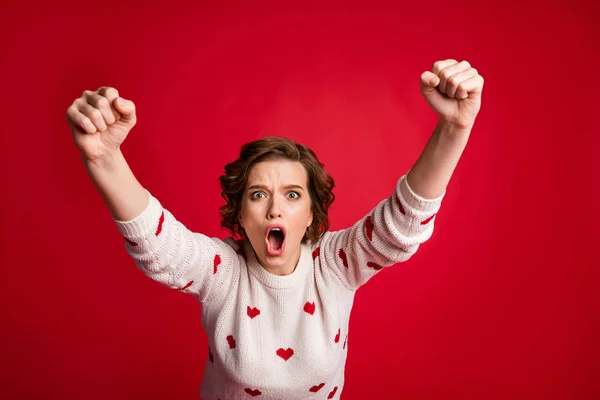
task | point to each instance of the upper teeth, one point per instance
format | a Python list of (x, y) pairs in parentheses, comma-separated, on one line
[(275, 229)]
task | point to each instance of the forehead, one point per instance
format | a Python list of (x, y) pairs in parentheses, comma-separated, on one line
[(277, 172)]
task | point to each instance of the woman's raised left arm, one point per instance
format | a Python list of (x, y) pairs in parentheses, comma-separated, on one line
[(393, 231), (453, 90)]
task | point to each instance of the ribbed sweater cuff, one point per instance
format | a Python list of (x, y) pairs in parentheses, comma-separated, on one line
[(144, 223), (416, 202)]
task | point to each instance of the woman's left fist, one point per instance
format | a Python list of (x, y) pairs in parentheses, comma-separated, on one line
[(453, 90)]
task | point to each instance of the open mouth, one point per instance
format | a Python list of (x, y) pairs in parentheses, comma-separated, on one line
[(275, 240)]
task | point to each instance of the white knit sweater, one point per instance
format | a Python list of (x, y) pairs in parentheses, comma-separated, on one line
[(278, 337)]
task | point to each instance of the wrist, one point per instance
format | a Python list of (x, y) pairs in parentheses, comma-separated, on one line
[(106, 161), (452, 130)]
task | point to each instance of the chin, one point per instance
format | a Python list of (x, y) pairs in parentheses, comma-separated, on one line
[(278, 261), (275, 261)]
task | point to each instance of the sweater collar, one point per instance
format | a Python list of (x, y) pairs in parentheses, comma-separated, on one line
[(275, 281)]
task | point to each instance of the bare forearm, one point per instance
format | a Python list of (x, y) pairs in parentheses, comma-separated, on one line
[(123, 194), (432, 171)]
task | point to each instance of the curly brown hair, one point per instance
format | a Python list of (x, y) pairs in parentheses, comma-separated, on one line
[(233, 183)]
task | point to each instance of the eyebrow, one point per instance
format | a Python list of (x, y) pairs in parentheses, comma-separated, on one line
[(285, 187)]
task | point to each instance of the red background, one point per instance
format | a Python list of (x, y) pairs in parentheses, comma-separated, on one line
[(501, 303)]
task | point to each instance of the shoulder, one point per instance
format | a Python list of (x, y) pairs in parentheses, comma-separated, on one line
[(239, 246)]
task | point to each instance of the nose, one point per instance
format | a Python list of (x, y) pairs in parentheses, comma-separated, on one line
[(274, 210)]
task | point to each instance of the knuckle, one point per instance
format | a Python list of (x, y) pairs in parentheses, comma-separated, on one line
[(475, 71), (111, 92), (95, 114), (102, 101), (465, 63)]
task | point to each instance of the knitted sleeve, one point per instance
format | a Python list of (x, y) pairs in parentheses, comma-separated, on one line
[(390, 233), (166, 251)]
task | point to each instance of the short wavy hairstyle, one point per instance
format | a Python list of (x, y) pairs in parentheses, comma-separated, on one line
[(233, 182)]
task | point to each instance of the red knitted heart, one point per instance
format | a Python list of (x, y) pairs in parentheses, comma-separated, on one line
[(337, 337), (369, 228), (309, 308), (376, 267), (342, 255), (231, 342), (253, 392), (332, 393), (400, 205), (285, 354), (316, 252), (427, 220), (252, 312), (187, 285), (315, 389), (132, 243), (160, 223), (216, 263)]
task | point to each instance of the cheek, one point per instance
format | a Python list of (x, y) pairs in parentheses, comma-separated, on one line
[(249, 217), (302, 218)]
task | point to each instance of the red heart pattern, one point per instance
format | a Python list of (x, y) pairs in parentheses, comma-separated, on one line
[(285, 354), (342, 255), (231, 342), (376, 267), (402, 211), (216, 263), (332, 393), (160, 223), (316, 252), (253, 392), (315, 389), (131, 242), (427, 220), (190, 283), (252, 312), (309, 308), (369, 228), (337, 337)]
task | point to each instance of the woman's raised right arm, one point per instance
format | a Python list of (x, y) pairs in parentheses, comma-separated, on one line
[(124, 196), (161, 246)]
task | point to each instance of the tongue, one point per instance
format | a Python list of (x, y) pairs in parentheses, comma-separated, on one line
[(275, 239)]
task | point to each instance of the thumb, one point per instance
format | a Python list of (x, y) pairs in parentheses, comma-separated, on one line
[(429, 81), (126, 108)]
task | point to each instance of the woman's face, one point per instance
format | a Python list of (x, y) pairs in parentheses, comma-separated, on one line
[(275, 213)]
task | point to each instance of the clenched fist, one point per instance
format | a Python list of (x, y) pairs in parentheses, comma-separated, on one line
[(100, 121), (453, 89)]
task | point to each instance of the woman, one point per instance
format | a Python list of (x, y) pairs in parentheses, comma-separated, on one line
[(276, 296)]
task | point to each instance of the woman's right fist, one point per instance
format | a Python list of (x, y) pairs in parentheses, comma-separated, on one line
[(100, 121)]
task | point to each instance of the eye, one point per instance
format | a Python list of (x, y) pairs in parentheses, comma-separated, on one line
[(254, 195), (296, 195)]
